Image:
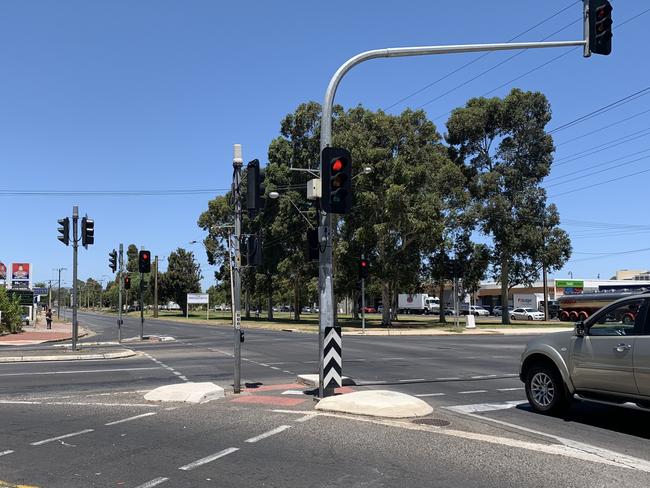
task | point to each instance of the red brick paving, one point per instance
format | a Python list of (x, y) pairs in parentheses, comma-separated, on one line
[(269, 400)]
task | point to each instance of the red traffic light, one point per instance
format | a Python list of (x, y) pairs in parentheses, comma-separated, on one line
[(364, 264), (337, 165), (145, 256)]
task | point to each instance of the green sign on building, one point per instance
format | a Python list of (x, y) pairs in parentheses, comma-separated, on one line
[(569, 283)]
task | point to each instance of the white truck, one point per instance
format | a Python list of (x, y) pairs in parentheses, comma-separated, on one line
[(417, 303), (527, 300)]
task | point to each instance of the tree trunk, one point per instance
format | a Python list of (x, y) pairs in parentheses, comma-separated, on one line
[(247, 305), (393, 303), (441, 297), (270, 305), (296, 300), (505, 313), (386, 300)]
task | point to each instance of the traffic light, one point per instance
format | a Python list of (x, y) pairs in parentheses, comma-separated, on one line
[(144, 262), (253, 187), (600, 27), (64, 230), (313, 247), (87, 232), (127, 282), (452, 268), (254, 251), (336, 180), (363, 268), (112, 260)]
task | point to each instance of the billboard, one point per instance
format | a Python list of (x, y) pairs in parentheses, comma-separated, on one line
[(3, 271), (571, 287), (20, 271)]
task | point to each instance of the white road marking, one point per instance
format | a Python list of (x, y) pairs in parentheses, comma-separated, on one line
[(263, 364), (4, 453), (292, 392), (208, 459), (277, 430), (483, 376), (451, 378), (184, 378), (295, 412), (413, 379), (469, 392), (484, 407), (38, 373), (309, 416), (510, 389), (131, 418), (150, 484), (430, 394), (52, 439), (95, 404), (275, 368)]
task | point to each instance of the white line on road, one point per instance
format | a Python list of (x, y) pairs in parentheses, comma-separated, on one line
[(413, 379), (430, 394), (4, 453), (484, 407), (37, 373), (95, 404), (471, 391), (309, 416), (277, 430), (209, 459), (150, 484), (451, 378), (131, 418), (52, 439), (292, 392), (510, 389)]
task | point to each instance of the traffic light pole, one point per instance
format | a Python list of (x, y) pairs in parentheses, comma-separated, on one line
[(141, 306), (58, 299), (363, 302), (120, 282), (237, 163), (75, 245), (325, 284), (155, 287)]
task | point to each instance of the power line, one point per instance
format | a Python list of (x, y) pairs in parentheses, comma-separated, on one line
[(638, 114), (596, 172), (607, 255), (602, 147), (599, 184), (462, 67), (119, 193), (495, 66)]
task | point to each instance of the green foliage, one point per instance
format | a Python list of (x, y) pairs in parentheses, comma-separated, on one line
[(11, 312), (183, 276)]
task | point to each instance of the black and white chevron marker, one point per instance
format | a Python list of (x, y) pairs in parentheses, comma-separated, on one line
[(333, 362)]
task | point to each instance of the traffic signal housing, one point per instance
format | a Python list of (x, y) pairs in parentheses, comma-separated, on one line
[(254, 251), (64, 230), (313, 247), (600, 27), (112, 260), (127, 282), (144, 262), (87, 232), (254, 188), (336, 180), (363, 268)]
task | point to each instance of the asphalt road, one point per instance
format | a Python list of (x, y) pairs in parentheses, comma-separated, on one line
[(486, 434)]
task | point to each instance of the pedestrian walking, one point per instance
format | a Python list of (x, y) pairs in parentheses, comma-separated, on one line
[(48, 318)]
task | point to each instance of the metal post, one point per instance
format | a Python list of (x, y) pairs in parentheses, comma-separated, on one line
[(456, 307), (237, 163), (120, 283), (49, 296), (155, 287), (75, 245), (325, 286), (363, 302), (58, 300), (141, 306), (545, 279)]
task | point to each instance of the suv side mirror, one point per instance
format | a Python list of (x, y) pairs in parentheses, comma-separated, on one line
[(580, 330)]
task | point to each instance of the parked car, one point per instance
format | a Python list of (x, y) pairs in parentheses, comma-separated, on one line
[(496, 311), (449, 311), (369, 310), (476, 310), (605, 358), (526, 314)]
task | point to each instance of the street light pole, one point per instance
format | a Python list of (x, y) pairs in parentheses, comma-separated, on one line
[(75, 245), (325, 277), (155, 287), (237, 163)]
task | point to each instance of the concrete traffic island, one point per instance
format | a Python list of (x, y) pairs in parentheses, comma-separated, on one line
[(376, 403), (186, 392)]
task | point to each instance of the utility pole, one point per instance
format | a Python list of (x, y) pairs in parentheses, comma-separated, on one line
[(120, 283), (58, 300), (49, 296), (237, 163), (155, 287), (75, 245), (363, 300), (141, 306)]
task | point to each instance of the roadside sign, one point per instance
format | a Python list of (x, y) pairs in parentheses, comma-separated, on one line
[(40, 291), (197, 298)]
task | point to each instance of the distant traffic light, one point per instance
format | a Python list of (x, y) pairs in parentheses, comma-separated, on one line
[(144, 262), (600, 27), (313, 248), (254, 251), (336, 180), (87, 232), (64, 230), (112, 260), (127, 282), (453, 269), (363, 268), (253, 187)]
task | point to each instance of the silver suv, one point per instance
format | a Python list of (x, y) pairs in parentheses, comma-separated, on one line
[(606, 358)]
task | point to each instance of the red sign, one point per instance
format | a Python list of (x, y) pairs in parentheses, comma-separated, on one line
[(20, 271)]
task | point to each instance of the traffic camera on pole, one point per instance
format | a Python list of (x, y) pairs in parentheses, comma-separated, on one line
[(64, 230), (336, 180), (600, 26), (144, 262), (112, 260), (363, 268), (87, 232)]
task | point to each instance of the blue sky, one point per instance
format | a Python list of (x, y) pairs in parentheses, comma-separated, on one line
[(151, 95)]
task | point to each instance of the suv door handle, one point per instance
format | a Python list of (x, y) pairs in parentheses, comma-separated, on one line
[(622, 347)]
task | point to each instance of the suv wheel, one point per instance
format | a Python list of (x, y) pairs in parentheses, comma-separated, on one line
[(545, 390)]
